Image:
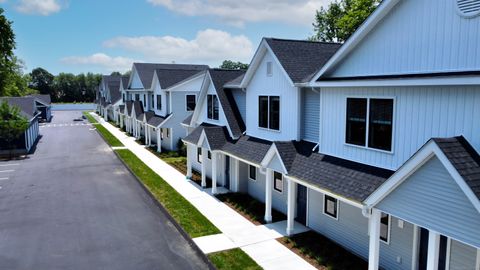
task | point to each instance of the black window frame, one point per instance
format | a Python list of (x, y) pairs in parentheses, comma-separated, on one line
[(374, 126), (145, 104), (123, 97), (325, 206), (159, 102), (275, 174), (152, 101), (137, 97), (212, 107), (269, 112), (199, 154), (385, 221), (252, 172), (188, 107)]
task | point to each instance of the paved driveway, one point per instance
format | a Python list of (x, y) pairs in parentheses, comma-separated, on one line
[(73, 205)]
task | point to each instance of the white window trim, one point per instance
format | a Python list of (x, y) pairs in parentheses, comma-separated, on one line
[(391, 152), (256, 172), (213, 119), (268, 118), (274, 181), (389, 228), (337, 204), (186, 102)]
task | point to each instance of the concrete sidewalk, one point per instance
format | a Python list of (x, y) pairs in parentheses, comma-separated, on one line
[(257, 241)]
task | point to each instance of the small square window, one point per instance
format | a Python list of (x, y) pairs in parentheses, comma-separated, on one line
[(191, 102), (252, 172), (384, 227), (278, 181), (330, 206)]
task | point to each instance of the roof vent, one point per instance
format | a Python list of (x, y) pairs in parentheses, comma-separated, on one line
[(468, 8)]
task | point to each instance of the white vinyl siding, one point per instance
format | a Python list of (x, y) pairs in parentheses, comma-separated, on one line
[(310, 115)]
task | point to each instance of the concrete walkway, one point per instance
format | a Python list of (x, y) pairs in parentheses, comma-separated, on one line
[(257, 241)]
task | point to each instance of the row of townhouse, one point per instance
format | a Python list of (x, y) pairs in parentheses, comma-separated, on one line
[(373, 143)]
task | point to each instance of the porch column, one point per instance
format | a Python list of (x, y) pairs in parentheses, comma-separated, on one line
[(374, 246), (433, 250), (290, 205), (149, 135), (159, 141), (236, 174), (204, 167), (214, 172), (189, 165), (268, 196), (146, 135)]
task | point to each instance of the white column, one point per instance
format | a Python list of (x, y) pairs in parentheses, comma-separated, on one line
[(433, 250), (189, 165), (214, 172), (236, 173), (204, 167), (268, 196), (374, 246), (159, 141), (149, 135), (146, 135), (290, 206)]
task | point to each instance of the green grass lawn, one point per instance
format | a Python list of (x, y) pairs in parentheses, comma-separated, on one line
[(108, 137), (322, 252), (192, 221), (90, 118), (249, 207), (233, 259)]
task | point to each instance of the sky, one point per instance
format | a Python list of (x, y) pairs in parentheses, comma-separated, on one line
[(102, 36)]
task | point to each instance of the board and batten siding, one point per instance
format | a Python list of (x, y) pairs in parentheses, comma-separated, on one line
[(418, 36), (462, 257), (420, 113), (164, 99), (222, 121), (432, 199), (240, 99), (275, 85), (310, 115), (136, 82)]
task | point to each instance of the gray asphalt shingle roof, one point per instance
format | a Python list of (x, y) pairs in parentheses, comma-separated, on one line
[(138, 107), (155, 120), (146, 70), (248, 148), (464, 159), (217, 137), (170, 77), (234, 119), (301, 59), (43, 98), (114, 89), (188, 120), (129, 105), (25, 104)]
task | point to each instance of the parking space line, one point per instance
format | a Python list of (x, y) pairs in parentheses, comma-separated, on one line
[(3, 178), (7, 171), (6, 165)]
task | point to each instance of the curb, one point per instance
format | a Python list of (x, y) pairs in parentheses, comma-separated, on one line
[(184, 234)]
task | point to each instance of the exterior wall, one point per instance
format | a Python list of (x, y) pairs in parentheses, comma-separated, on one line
[(446, 209), (222, 121), (192, 155), (351, 231), (240, 99), (429, 111), (136, 82), (158, 91), (243, 177), (256, 189), (310, 109), (462, 257), (275, 85), (417, 36)]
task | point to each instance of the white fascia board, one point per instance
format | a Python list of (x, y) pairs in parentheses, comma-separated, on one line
[(201, 97), (271, 153), (203, 137), (432, 81), (259, 53), (382, 10), (130, 78)]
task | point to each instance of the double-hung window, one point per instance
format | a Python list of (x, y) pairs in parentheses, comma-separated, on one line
[(269, 112), (278, 181), (330, 206), (212, 107), (159, 102), (152, 101), (123, 97), (370, 122), (190, 102)]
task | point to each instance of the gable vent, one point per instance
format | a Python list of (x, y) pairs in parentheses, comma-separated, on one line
[(468, 8)]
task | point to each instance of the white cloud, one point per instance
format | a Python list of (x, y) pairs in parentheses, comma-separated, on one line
[(209, 47), (239, 12), (39, 7), (119, 63)]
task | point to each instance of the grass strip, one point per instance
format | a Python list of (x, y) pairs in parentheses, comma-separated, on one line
[(90, 118), (191, 220), (233, 259), (108, 137)]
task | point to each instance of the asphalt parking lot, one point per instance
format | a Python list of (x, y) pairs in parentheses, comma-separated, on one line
[(73, 205)]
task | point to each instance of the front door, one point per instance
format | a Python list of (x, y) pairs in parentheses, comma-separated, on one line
[(302, 204), (227, 172), (423, 251)]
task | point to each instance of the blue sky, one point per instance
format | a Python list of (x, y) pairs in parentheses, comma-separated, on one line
[(106, 35)]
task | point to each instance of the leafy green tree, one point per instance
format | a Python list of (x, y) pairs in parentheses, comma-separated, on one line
[(12, 124), (16, 83), (41, 80), (7, 45), (341, 18), (115, 73), (228, 64)]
